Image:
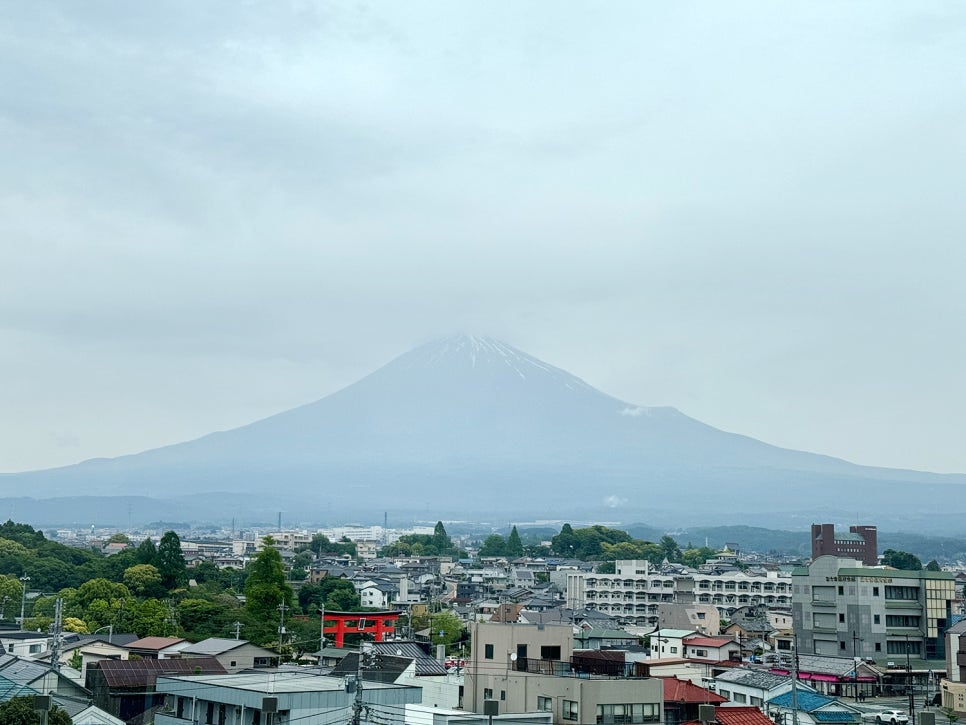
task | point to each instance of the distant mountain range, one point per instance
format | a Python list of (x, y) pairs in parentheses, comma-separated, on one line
[(469, 427)]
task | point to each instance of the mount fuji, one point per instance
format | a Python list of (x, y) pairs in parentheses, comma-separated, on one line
[(472, 428)]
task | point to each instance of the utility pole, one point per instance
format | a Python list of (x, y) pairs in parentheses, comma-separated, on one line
[(909, 687), (56, 629), (281, 623), (23, 597), (795, 680), (855, 669), (237, 626), (359, 708)]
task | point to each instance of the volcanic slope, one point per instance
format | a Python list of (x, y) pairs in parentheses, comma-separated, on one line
[(466, 425)]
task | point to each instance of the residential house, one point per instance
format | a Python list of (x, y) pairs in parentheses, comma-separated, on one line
[(25, 644), (233, 654), (23, 676), (276, 698), (812, 709), (710, 649), (669, 643), (92, 648), (681, 700), (158, 648), (740, 715), (745, 686), (601, 638), (126, 688), (703, 618), (408, 663)]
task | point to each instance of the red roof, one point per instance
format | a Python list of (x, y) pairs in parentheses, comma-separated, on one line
[(685, 691), (155, 643), (740, 715), (709, 641)]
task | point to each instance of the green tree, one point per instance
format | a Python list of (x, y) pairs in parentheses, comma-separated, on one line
[(493, 545), (696, 556), (151, 619), (446, 628), (901, 560), (265, 587), (20, 711), (170, 562), (564, 543), (514, 546), (144, 580), (119, 538), (933, 565), (146, 552), (670, 548), (606, 567), (441, 539)]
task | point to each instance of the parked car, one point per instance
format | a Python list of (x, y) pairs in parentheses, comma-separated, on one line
[(894, 717)]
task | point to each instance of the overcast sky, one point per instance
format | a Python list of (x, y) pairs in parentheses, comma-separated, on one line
[(214, 211)]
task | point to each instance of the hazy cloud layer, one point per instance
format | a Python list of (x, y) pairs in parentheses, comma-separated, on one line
[(210, 212)]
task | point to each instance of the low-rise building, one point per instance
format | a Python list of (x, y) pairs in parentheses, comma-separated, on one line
[(277, 699), (842, 608), (527, 668)]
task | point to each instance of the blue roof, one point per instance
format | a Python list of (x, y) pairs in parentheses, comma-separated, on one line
[(10, 689), (807, 701), (833, 716)]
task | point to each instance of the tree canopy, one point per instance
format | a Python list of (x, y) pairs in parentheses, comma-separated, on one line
[(901, 560)]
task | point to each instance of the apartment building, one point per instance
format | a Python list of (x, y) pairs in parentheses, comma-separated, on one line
[(634, 593)]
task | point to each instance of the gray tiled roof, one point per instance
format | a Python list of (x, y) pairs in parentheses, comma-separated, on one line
[(754, 678)]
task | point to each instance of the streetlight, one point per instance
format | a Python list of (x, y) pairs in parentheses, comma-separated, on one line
[(110, 632), (23, 596)]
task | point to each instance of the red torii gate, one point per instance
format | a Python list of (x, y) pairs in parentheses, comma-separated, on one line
[(378, 624)]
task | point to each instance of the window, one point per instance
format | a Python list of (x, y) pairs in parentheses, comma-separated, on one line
[(545, 704), (841, 645), (627, 713), (503, 695), (756, 701), (875, 619), (487, 693), (878, 646), (700, 653), (674, 650), (841, 591), (875, 591), (740, 697), (550, 652), (841, 616), (488, 651), (569, 711), (34, 649), (700, 615), (725, 693), (905, 593)]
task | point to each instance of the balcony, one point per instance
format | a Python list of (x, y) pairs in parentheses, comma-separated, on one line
[(823, 603), (903, 604)]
